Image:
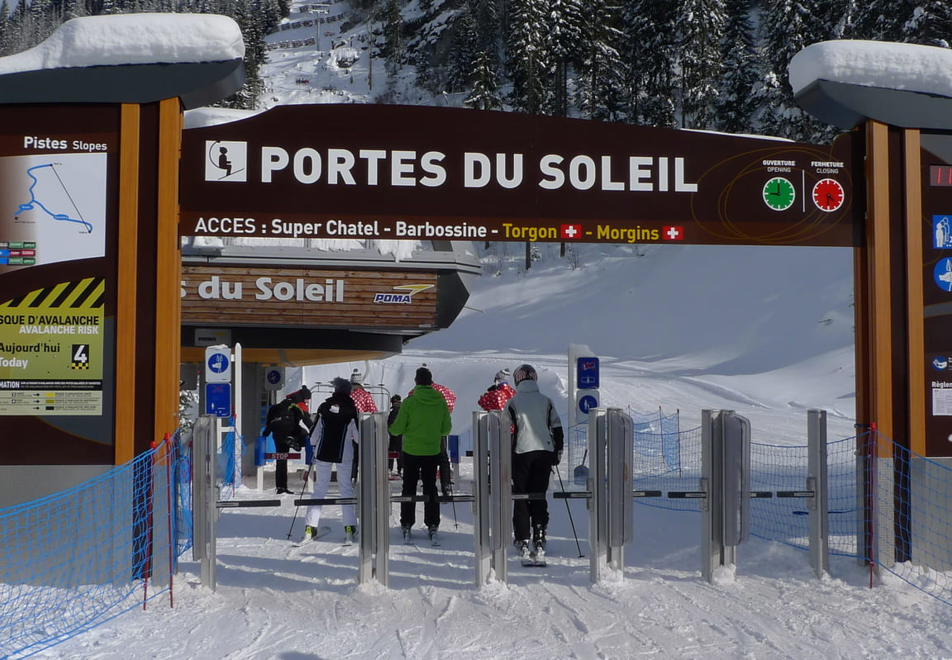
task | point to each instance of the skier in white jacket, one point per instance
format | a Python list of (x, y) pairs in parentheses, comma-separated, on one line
[(537, 440)]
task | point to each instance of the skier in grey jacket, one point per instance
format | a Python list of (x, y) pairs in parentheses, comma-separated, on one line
[(537, 440)]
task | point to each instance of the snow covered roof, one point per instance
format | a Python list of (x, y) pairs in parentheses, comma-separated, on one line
[(844, 82), (129, 58)]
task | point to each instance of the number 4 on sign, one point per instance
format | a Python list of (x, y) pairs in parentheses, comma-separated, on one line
[(80, 359)]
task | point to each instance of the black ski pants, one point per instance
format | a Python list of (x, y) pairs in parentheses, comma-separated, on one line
[(420, 468), (530, 474), (281, 446)]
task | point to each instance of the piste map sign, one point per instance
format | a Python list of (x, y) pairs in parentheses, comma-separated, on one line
[(417, 173)]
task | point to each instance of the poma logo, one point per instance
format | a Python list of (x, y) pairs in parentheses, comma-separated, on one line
[(401, 298)]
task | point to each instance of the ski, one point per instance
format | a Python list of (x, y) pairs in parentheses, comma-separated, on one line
[(535, 559)]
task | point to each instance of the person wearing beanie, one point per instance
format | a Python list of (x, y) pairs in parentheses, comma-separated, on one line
[(423, 420), (396, 441), (289, 425), (537, 440), (497, 394), (365, 403), (334, 440), (445, 470)]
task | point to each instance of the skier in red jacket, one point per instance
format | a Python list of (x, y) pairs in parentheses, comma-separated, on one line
[(499, 393)]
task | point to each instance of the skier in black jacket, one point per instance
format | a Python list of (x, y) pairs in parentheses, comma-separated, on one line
[(289, 427), (333, 439)]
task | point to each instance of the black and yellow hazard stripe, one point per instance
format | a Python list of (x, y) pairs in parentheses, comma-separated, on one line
[(87, 293)]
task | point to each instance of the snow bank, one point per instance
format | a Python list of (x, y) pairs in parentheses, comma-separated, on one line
[(909, 67), (132, 39)]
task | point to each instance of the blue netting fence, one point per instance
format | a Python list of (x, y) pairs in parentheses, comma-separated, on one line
[(907, 515), (659, 446), (126, 529)]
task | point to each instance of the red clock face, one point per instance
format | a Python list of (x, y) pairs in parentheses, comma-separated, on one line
[(828, 195)]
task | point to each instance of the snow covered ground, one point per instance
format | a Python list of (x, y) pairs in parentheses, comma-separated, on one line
[(669, 335)]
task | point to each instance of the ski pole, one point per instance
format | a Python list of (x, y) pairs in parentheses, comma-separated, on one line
[(307, 478), (562, 485), (455, 519)]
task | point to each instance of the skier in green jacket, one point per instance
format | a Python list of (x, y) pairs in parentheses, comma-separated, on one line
[(423, 419)]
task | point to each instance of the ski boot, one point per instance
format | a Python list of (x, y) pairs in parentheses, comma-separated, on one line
[(538, 540), (522, 548)]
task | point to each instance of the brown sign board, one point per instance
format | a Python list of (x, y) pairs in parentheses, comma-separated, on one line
[(58, 255), (418, 173), (311, 298), (936, 177)]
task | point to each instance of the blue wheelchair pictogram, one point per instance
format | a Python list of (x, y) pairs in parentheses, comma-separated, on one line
[(274, 376)]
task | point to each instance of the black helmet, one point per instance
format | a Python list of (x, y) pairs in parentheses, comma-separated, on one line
[(524, 372), (341, 386)]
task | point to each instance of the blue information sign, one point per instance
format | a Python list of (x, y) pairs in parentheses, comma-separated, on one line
[(218, 399), (587, 373), (587, 402)]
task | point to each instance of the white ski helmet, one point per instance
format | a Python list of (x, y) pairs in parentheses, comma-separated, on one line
[(523, 372)]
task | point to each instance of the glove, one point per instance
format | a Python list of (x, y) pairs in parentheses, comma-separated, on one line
[(295, 444), (556, 457)]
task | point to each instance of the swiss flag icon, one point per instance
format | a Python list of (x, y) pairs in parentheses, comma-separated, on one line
[(570, 231), (672, 234)]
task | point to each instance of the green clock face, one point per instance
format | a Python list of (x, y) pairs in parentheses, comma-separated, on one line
[(779, 193)]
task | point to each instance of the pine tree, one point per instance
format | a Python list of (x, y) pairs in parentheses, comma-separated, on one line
[(247, 15), (485, 94), (650, 53), (563, 40), (4, 27), (930, 24), (735, 106), (487, 15), (600, 83), (701, 30), (463, 53), (789, 27), (392, 26), (526, 57), (883, 20)]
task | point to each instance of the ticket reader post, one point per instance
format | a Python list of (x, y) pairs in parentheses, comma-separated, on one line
[(725, 455), (373, 500), (611, 434), (492, 507)]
